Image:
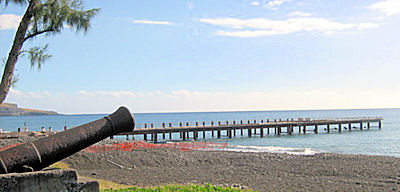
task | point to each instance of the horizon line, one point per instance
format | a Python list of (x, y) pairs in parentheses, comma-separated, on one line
[(233, 111)]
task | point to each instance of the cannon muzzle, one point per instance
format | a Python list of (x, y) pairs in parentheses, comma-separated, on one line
[(36, 155)]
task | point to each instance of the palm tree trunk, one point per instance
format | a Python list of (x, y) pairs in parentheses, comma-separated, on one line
[(15, 50)]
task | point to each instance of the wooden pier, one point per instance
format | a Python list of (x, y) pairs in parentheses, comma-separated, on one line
[(261, 128)]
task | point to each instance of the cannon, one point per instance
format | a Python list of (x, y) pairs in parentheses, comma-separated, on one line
[(36, 155)]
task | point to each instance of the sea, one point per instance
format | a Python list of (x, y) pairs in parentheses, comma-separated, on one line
[(384, 142)]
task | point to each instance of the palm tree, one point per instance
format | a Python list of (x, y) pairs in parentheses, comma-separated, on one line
[(42, 17)]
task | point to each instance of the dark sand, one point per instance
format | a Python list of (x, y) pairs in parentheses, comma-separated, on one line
[(259, 171)]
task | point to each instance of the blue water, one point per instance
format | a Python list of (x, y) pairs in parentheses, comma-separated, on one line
[(372, 142)]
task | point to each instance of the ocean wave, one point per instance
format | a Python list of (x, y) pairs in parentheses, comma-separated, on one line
[(270, 149)]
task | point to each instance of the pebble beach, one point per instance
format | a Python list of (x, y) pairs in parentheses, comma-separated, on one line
[(257, 171)]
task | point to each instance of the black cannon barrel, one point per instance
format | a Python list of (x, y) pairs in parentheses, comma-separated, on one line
[(41, 153)]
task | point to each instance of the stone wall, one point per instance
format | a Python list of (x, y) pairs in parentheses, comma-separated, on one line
[(46, 181)]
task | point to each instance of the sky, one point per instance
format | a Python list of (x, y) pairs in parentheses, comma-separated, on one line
[(207, 55)]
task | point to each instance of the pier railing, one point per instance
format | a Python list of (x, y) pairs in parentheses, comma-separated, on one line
[(250, 128), (254, 121)]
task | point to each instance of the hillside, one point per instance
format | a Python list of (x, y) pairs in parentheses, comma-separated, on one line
[(8, 109)]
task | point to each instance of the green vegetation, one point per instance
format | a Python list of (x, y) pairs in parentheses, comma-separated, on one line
[(41, 17), (178, 188), (60, 165), (109, 186)]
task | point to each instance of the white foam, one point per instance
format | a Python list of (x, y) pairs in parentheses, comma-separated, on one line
[(270, 149)]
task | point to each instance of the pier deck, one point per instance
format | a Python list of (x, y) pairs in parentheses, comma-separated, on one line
[(250, 128)]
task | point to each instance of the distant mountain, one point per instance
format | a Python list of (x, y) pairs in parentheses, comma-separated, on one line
[(8, 109)]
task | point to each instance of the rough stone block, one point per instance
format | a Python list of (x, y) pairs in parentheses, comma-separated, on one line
[(46, 181)]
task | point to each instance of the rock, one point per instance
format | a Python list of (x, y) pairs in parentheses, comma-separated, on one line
[(236, 185)]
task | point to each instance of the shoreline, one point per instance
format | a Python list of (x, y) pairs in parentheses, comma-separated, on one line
[(13, 138), (23, 137), (260, 171)]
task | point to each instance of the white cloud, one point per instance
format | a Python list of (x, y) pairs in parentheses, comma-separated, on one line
[(299, 14), (185, 93), (247, 34), (117, 94), (388, 7), (34, 95), (9, 21), (362, 26), (190, 5), (184, 100), (255, 3), (271, 4), (152, 22), (259, 27), (274, 3)]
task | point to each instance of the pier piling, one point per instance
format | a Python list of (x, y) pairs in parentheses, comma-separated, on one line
[(252, 127)]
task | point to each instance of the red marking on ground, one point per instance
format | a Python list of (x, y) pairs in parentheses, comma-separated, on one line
[(186, 146), (9, 146)]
